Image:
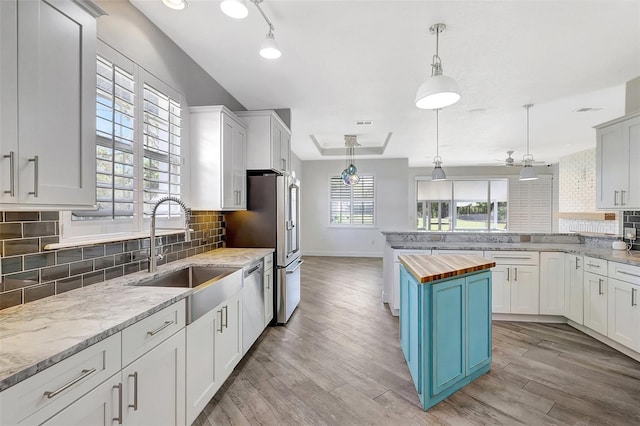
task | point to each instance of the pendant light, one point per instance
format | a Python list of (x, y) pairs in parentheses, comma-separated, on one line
[(236, 9), (438, 91), (528, 172), (350, 173), (437, 173), (269, 48)]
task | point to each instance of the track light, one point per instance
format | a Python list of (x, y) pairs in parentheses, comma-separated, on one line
[(236, 9)]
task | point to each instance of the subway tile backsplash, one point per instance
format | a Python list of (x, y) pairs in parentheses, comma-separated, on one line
[(30, 273), (631, 219)]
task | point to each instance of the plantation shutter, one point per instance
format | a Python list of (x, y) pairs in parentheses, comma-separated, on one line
[(340, 200), (162, 159), (352, 204), (363, 201), (530, 204)]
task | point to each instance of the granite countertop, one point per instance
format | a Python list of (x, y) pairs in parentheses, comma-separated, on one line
[(621, 256), (37, 335), (433, 268)]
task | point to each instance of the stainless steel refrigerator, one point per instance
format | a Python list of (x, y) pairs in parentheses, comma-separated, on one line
[(272, 219)]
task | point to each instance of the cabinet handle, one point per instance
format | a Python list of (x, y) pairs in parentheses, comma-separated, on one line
[(634, 296), (63, 388), (35, 176), (12, 171), (135, 391), (593, 265), (516, 277), (512, 257), (284, 164), (615, 198), (577, 260), (600, 292), (628, 273), (622, 197), (159, 329), (221, 325), (508, 269), (119, 418), (226, 316)]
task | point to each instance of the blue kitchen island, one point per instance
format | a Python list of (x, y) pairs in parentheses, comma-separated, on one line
[(445, 322)]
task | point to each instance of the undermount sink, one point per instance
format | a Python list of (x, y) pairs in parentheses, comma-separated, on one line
[(211, 286)]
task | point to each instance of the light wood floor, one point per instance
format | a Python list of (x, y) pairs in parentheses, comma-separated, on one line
[(338, 362)]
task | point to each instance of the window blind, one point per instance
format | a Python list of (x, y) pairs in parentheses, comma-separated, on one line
[(354, 204), (530, 204), (115, 122), (162, 159)]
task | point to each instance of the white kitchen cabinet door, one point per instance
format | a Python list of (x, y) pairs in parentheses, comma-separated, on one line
[(500, 289), (525, 287), (574, 288), (100, 407), (623, 316), (595, 302), (268, 141), (54, 156), (201, 380), (154, 385), (552, 290), (268, 296), (228, 336), (617, 152), (218, 159)]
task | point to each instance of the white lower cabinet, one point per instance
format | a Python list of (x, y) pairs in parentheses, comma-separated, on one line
[(100, 407), (154, 385), (623, 314), (595, 302), (214, 348), (515, 282), (552, 265), (574, 288)]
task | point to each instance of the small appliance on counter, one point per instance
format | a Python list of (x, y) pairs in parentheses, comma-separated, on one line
[(272, 220)]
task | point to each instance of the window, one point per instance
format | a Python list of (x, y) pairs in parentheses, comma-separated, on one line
[(138, 150), (352, 204), (462, 205)]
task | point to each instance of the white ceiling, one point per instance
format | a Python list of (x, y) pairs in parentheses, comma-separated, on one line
[(345, 61)]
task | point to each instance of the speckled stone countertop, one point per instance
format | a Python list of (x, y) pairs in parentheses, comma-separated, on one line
[(569, 243), (37, 335)]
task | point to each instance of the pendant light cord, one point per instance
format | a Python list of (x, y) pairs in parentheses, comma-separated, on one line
[(437, 134), (528, 106)]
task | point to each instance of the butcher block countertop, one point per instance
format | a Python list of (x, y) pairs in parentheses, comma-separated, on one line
[(433, 268)]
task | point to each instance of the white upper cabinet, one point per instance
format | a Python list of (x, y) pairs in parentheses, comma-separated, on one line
[(268, 142), (617, 152), (218, 159), (47, 104)]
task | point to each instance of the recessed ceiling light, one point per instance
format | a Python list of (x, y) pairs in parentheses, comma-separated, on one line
[(175, 4), (364, 123)]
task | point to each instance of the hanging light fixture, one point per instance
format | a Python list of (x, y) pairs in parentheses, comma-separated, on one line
[(438, 91), (236, 9), (269, 48), (175, 4), (350, 173), (528, 172), (437, 173)]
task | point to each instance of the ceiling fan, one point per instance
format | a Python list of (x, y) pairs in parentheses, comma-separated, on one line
[(510, 161)]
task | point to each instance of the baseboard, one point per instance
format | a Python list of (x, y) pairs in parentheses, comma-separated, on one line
[(529, 318), (341, 254), (604, 339)]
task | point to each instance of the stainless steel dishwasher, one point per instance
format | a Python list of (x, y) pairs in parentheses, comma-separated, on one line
[(252, 304)]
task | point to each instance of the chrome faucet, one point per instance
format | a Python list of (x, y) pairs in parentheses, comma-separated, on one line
[(153, 257)]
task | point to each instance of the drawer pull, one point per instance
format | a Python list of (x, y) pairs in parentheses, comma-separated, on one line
[(508, 269), (119, 418), (85, 373), (512, 257), (135, 391), (226, 316), (629, 273), (634, 297), (516, 274), (159, 329), (577, 265), (593, 265)]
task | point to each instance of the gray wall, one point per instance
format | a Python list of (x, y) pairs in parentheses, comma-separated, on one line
[(129, 32)]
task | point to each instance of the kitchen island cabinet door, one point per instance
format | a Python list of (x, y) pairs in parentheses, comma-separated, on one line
[(154, 385), (478, 322)]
